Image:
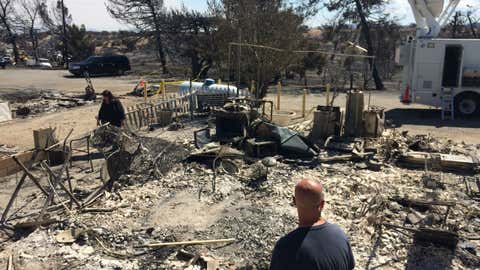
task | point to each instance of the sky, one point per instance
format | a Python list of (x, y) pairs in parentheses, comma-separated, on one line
[(94, 15)]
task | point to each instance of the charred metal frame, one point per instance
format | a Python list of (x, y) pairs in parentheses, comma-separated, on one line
[(87, 138)]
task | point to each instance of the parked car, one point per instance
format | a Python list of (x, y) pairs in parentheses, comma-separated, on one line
[(7, 60), (101, 65), (42, 63)]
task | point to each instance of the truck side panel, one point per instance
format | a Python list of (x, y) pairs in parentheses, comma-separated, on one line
[(428, 72)]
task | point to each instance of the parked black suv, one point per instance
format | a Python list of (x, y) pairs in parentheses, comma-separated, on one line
[(4, 62), (101, 65)]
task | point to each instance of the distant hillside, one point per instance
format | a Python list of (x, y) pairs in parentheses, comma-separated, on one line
[(105, 43)]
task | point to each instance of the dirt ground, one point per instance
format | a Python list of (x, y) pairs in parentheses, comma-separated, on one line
[(417, 119), (81, 119), (184, 205)]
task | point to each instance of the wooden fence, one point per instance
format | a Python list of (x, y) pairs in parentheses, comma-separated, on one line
[(160, 112)]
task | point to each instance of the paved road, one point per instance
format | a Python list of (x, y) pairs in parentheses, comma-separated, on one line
[(60, 80)]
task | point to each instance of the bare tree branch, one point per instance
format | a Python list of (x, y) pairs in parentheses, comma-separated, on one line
[(145, 15), (7, 19)]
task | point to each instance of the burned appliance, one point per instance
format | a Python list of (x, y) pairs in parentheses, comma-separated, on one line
[(374, 121), (327, 121), (289, 143), (232, 121), (260, 148)]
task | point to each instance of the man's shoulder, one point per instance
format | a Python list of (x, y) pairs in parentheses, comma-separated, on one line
[(292, 236), (334, 228), (327, 228)]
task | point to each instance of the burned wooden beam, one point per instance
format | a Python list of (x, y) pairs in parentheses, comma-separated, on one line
[(438, 161), (8, 166), (421, 202), (444, 238), (187, 243), (354, 156), (97, 193), (35, 224), (10, 265), (31, 176), (12, 198)]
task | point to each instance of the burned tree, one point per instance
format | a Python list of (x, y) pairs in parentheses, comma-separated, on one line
[(462, 25), (64, 12), (57, 20), (472, 24), (255, 22), (385, 36), (7, 20), (146, 15), (191, 35), (29, 18), (358, 12), (457, 24), (79, 42)]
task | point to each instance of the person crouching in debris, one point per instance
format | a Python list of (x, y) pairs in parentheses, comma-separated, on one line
[(316, 244), (111, 110)]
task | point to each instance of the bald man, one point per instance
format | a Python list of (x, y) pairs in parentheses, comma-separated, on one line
[(315, 244)]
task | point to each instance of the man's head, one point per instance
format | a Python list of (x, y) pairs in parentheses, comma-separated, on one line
[(107, 96), (309, 200)]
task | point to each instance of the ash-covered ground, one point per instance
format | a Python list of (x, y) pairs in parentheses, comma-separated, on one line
[(188, 201), (31, 102)]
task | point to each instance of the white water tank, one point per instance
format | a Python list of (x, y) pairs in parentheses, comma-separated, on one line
[(208, 87), (435, 6)]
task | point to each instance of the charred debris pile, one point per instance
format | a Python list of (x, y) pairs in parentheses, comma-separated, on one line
[(215, 194), (31, 101)]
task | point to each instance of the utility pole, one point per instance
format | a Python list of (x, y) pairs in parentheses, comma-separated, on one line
[(65, 45), (239, 74)]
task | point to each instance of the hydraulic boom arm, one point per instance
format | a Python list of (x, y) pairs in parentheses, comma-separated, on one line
[(428, 24)]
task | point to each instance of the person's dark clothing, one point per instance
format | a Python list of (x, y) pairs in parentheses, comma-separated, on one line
[(112, 113), (322, 247)]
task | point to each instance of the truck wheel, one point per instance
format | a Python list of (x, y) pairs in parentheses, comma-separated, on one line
[(467, 104)]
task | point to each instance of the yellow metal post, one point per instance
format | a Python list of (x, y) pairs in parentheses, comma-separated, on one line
[(145, 94), (279, 94), (304, 102), (252, 88), (159, 91), (164, 89), (219, 81), (328, 94)]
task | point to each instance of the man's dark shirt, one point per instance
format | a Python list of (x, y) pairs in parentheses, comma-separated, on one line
[(312, 248), (112, 113)]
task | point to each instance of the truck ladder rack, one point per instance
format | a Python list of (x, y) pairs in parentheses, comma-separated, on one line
[(448, 104)]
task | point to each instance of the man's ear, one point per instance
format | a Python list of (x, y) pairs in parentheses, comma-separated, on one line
[(322, 204)]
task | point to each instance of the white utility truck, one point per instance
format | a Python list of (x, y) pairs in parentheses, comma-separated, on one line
[(439, 72)]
